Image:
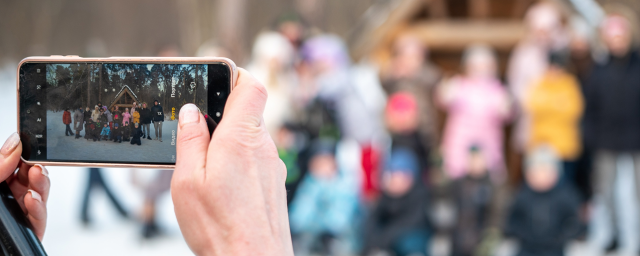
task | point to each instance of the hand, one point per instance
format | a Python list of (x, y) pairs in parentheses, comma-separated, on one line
[(228, 192), (30, 185)]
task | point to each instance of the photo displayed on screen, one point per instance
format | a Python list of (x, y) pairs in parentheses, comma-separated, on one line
[(119, 112)]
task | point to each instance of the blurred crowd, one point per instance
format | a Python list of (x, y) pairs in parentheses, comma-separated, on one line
[(374, 152)]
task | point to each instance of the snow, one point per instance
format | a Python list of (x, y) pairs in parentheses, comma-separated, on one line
[(68, 148)]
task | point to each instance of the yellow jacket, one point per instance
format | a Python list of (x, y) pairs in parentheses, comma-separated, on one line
[(136, 117), (555, 105)]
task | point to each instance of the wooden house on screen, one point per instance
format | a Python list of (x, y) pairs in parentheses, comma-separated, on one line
[(124, 98)]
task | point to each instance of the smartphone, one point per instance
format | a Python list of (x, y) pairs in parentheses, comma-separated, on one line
[(114, 112)]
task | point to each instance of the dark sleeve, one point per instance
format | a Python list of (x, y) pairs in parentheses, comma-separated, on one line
[(371, 230), (412, 220), (571, 226), (517, 218)]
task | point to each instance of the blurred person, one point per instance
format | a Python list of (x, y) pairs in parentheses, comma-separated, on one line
[(117, 133), (78, 121), (136, 134), (157, 118), (109, 116), (402, 118), (581, 47), (554, 104), (410, 71), (544, 215), (612, 119), (477, 105), (322, 214), (272, 64), (528, 62), (288, 152), (350, 94), (117, 115), (398, 223), (136, 117), (126, 116), (66, 120), (95, 115), (474, 198), (152, 192), (106, 132), (96, 180), (145, 121), (291, 26), (86, 118)]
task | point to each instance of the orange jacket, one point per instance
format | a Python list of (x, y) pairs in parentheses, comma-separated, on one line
[(66, 117), (555, 105), (136, 117)]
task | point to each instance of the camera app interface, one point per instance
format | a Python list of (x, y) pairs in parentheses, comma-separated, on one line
[(119, 112)]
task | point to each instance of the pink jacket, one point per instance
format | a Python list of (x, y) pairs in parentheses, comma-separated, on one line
[(477, 111), (126, 117)]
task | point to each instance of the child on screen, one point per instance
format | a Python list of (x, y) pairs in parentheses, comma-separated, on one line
[(105, 131)]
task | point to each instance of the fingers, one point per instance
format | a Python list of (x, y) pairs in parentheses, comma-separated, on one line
[(192, 143), (247, 100), (39, 181), (37, 212), (10, 156)]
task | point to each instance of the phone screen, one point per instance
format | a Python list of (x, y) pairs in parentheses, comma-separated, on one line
[(113, 112)]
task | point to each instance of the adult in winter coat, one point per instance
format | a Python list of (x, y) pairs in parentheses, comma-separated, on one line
[(157, 118), (612, 122), (87, 118), (66, 119), (95, 115), (145, 120), (78, 121)]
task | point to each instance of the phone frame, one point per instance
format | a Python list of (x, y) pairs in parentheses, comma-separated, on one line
[(139, 60)]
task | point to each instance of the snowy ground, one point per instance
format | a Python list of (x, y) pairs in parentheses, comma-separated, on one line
[(68, 148)]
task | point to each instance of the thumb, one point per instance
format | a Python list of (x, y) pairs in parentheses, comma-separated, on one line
[(246, 102), (192, 143), (10, 156)]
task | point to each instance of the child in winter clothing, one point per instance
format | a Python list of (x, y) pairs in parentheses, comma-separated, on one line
[(136, 135), (91, 133), (126, 132), (398, 224), (126, 116), (105, 131), (323, 211), (116, 133), (136, 117), (66, 119), (474, 200), (544, 215)]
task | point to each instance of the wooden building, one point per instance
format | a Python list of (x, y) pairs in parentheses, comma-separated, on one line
[(124, 99)]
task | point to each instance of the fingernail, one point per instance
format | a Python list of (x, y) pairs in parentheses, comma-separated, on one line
[(189, 113), (44, 170), (10, 145), (35, 195)]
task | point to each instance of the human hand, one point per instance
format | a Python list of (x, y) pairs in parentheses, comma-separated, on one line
[(30, 185), (228, 192)]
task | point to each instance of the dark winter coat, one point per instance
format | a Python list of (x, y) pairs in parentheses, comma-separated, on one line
[(145, 115), (393, 217), (157, 113), (612, 114), (136, 134), (544, 222), (126, 132), (474, 199), (116, 132)]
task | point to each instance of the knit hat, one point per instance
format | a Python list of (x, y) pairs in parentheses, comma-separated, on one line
[(323, 147), (115, 125), (403, 160), (402, 102), (543, 155)]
